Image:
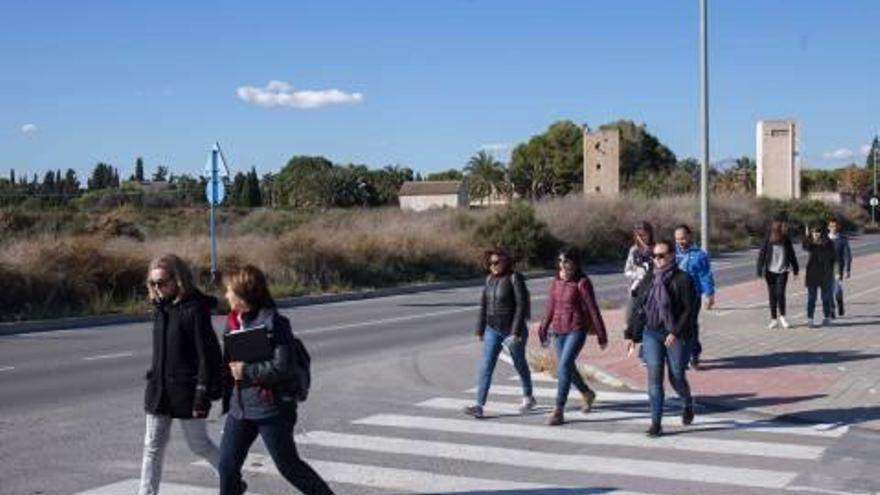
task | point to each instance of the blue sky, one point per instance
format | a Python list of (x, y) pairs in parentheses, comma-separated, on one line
[(419, 83)]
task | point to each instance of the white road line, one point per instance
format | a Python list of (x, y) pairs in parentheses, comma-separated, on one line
[(700, 473), (130, 486), (703, 422), (108, 356), (7, 368), (593, 437), (371, 323)]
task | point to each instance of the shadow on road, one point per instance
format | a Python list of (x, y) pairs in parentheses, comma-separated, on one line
[(850, 416), (791, 358), (749, 400)]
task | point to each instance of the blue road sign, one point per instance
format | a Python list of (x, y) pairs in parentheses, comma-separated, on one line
[(209, 192)]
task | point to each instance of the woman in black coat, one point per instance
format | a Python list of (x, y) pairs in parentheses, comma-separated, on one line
[(775, 260), (186, 370), (820, 272)]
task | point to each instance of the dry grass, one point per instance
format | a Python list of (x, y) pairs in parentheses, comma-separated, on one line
[(65, 262)]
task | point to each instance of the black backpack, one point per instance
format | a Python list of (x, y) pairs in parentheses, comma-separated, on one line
[(300, 363)]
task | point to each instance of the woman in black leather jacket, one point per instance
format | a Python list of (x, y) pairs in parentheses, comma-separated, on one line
[(504, 311)]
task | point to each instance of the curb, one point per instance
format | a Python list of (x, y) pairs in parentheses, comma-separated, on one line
[(32, 326)]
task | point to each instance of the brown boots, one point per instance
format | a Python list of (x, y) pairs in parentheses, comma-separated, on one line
[(557, 418)]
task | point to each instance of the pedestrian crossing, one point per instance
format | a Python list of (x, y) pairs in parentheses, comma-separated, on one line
[(430, 447)]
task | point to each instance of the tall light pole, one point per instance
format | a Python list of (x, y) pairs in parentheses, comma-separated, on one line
[(704, 124), (876, 151)]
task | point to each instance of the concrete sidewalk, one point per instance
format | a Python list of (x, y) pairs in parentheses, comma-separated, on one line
[(826, 374)]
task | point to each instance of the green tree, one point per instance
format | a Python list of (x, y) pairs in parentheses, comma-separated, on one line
[(103, 177), (530, 171), (139, 169), (305, 182), (253, 196), (161, 174), (451, 174), (485, 176), (236, 194), (873, 153), (550, 163)]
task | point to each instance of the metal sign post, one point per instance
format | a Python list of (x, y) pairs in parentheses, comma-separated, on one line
[(215, 191)]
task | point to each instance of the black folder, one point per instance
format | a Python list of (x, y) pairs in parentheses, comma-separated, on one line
[(248, 345)]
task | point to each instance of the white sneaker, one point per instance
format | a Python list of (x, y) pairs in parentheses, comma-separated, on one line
[(773, 324), (811, 323), (528, 404), (783, 322)]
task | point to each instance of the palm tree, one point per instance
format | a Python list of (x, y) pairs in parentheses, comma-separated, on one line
[(485, 176)]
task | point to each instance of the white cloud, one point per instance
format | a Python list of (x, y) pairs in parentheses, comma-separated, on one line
[(495, 147), (865, 149), (838, 154), (283, 94), (29, 128)]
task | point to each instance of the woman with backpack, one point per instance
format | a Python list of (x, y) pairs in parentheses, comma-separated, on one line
[(775, 260), (185, 374), (504, 311), (261, 396), (571, 313)]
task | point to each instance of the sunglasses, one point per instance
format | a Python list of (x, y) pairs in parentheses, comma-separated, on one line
[(660, 256), (495, 262), (159, 283)]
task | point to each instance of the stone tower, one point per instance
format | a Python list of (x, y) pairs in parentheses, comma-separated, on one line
[(601, 162)]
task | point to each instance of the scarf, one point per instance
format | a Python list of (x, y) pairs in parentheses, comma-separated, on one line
[(658, 308)]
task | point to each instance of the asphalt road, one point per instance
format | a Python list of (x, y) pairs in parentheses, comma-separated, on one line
[(71, 417)]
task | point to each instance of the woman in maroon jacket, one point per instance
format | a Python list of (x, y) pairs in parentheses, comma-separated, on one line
[(571, 313)]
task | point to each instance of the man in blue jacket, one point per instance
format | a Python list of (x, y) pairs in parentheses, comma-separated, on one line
[(695, 262), (844, 264)]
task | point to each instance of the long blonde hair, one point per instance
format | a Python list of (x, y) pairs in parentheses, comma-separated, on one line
[(175, 268)]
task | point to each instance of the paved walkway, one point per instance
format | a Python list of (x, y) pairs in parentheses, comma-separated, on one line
[(827, 374)]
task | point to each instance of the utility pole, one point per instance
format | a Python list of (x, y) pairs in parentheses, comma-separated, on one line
[(704, 121), (876, 151)]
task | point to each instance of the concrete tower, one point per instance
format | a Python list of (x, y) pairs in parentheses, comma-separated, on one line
[(778, 159)]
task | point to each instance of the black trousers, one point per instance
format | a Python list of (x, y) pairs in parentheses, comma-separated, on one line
[(776, 283), (277, 434)]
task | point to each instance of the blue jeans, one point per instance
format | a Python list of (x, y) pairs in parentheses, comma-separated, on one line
[(568, 346), (492, 341), (277, 434), (812, 293), (659, 357)]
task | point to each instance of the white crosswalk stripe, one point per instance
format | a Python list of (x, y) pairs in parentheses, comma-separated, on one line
[(605, 415), (692, 472), (407, 480), (592, 437), (130, 486)]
